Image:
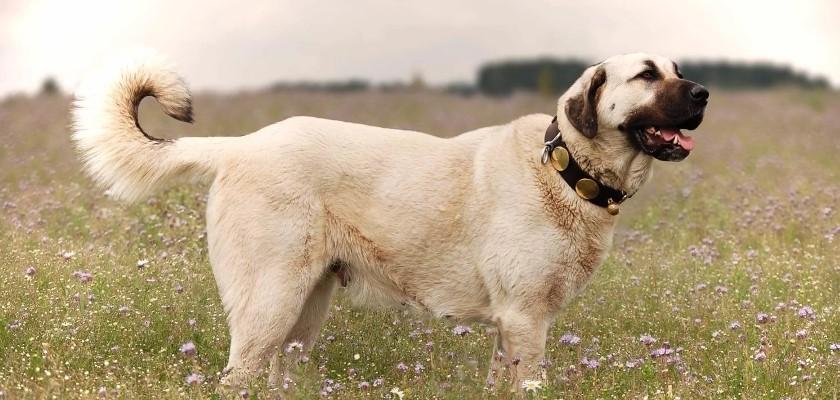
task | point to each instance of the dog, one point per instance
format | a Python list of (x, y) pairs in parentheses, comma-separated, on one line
[(502, 225)]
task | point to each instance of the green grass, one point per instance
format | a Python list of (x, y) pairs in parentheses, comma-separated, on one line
[(743, 226)]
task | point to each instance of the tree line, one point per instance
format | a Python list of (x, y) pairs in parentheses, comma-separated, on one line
[(553, 76)]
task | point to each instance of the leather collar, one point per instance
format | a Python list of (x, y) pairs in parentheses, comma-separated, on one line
[(588, 188)]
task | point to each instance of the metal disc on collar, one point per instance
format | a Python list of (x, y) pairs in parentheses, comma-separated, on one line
[(559, 158), (612, 207), (587, 188)]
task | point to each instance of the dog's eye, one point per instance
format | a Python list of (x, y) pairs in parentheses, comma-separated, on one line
[(648, 75)]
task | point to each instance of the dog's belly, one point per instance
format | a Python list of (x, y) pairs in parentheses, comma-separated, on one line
[(427, 288), (430, 269)]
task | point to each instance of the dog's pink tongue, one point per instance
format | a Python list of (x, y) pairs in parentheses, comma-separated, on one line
[(686, 142)]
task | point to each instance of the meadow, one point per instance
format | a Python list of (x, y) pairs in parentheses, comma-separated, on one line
[(723, 282)]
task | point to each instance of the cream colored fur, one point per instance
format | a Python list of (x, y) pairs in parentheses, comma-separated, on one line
[(473, 227)]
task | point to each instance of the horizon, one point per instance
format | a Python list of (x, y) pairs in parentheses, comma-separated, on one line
[(407, 81)]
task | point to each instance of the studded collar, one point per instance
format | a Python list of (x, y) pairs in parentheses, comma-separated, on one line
[(588, 188)]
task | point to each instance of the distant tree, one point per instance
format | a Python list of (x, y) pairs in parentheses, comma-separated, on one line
[(544, 75), (417, 82), (49, 87), (737, 75), (545, 82)]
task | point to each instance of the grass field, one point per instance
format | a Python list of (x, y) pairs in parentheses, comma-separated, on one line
[(724, 280)]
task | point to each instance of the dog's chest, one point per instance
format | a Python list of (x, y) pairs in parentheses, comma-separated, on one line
[(572, 266)]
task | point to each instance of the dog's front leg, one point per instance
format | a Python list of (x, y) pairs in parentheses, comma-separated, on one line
[(522, 338)]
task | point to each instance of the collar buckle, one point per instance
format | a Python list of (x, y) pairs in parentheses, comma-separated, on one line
[(545, 154)]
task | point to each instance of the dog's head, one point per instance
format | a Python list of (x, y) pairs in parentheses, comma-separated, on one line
[(642, 96)]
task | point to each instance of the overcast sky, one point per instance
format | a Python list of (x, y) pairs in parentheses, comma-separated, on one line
[(227, 45)]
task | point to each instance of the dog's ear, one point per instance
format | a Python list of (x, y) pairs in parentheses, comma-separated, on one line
[(581, 109)]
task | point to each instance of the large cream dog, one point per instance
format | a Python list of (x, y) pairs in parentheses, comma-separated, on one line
[(479, 227)]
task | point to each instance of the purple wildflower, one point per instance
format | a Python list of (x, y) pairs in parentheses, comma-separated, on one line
[(806, 312), (462, 330), (14, 325), (834, 347), (569, 339), (735, 325), (194, 379), (660, 352), (123, 310), (378, 382), (402, 367), (295, 345), (83, 276), (191, 322), (760, 356), (244, 394), (762, 318), (590, 363), (188, 349), (801, 334), (647, 340), (102, 392), (30, 272), (418, 368), (364, 385), (329, 387)]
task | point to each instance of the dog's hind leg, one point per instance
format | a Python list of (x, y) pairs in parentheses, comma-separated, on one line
[(262, 318), (303, 335), (266, 261)]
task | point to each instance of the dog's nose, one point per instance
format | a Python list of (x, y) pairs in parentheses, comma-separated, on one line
[(698, 93)]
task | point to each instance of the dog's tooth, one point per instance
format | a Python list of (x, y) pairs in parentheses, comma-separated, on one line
[(677, 139), (658, 133), (650, 129)]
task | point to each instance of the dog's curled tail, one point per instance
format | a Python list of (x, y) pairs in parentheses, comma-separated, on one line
[(115, 150)]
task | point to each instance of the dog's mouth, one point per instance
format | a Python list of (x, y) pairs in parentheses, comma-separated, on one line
[(655, 137), (666, 142)]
